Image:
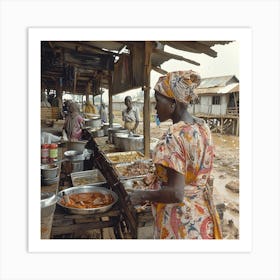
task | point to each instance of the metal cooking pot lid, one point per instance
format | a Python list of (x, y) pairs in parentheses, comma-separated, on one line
[(72, 153), (48, 199)]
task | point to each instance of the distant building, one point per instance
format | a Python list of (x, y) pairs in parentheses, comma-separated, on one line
[(218, 103), (218, 96)]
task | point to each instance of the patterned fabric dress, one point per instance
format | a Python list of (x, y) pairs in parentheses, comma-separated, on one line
[(186, 148)]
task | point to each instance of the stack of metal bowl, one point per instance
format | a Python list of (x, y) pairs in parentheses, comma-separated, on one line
[(49, 173), (48, 204)]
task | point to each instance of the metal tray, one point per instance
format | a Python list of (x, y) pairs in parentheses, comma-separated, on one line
[(87, 189), (125, 157), (88, 177), (120, 169)]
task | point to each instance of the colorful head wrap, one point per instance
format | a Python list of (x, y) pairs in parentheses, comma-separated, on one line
[(179, 85)]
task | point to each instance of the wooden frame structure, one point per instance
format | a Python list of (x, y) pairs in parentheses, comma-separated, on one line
[(85, 67)]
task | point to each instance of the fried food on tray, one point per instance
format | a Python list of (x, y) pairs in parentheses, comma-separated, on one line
[(125, 157), (136, 169), (88, 200)]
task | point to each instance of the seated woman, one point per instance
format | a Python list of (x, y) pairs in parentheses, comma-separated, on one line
[(73, 123)]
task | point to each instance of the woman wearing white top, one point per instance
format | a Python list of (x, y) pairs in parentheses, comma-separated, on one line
[(130, 115)]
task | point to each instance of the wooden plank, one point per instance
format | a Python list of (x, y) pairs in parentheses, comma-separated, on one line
[(159, 70), (146, 88), (113, 181), (81, 227), (110, 99)]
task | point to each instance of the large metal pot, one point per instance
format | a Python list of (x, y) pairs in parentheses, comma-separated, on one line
[(113, 130), (78, 146), (74, 163), (93, 122), (98, 133), (106, 126), (119, 140), (134, 142)]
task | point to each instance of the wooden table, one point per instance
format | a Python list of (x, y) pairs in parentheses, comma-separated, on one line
[(67, 225)]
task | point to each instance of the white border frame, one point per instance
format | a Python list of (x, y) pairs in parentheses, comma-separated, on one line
[(262, 16), (243, 36)]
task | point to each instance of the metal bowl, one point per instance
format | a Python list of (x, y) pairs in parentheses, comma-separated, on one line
[(87, 189), (48, 203), (77, 145), (49, 181), (49, 171)]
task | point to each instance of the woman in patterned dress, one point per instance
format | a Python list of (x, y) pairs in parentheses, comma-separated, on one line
[(182, 204)]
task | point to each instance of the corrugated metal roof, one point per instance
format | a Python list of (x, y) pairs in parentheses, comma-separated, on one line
[(196, 46), (91, 60), (220, 81), (233, 87), (206, 91), (227, 88)]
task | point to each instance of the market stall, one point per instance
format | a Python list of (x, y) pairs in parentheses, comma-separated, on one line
[(85, 68), (106, 168)]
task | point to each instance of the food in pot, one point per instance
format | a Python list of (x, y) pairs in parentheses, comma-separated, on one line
[(87, 200)]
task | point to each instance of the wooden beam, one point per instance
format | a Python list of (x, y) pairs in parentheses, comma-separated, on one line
[(75, 80), (88, 91), (174, 56), (159, 70), (110, 79), (146, 88)]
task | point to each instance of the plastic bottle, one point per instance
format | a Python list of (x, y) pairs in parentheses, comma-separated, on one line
[(45, 153), (53, 152)]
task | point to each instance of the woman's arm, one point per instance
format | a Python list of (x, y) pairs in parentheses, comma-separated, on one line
[(173, 192), (137, 118)]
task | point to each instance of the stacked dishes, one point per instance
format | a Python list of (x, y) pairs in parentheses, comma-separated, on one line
[(49, 174)]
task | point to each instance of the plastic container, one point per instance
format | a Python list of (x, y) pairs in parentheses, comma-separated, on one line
[(45, 153), (53, 152)]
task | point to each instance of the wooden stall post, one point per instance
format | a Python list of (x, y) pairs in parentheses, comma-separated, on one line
[(88, 91), (59, 92), (75, 80), (110, 78), (146, 88)]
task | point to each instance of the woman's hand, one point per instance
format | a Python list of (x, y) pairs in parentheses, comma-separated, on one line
[(149, 179)]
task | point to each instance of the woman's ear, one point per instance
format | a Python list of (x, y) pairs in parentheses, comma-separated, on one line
[(172, 106)]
